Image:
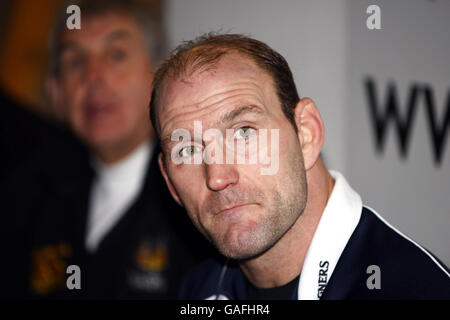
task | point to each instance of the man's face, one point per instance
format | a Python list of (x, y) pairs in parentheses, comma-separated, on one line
[(241, 211), (105, 81)]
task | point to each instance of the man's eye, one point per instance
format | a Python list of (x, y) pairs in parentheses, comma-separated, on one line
[(188, 151), (244, 133), (72, 64), (117, 55), (75, 63)]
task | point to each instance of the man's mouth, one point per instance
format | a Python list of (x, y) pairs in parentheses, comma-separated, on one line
[(235, 213), (97, 111), (234, 207)]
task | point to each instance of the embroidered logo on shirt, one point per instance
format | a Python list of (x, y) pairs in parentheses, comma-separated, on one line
[(48, 269), (152, 259)]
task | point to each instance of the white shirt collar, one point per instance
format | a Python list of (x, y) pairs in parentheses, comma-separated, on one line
[(113, 191), (129, 168), (339, 219)]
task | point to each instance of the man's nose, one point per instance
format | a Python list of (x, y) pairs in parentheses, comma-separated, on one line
[(94, 71), (220, 176)]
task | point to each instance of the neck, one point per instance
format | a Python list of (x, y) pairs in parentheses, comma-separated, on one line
[(288, 254)]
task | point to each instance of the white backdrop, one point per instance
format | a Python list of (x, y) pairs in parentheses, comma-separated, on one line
[(411, 49), (332, 53)]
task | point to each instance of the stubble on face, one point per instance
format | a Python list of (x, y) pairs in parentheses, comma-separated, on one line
[(283, 205)]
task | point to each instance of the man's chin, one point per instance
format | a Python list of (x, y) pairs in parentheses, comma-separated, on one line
[(241, 254), (102, 141), (239, 240), (100, 134), (240, 250)]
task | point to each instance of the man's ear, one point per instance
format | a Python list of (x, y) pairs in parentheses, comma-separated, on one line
[(54, 94), (310, 130), (172, 189)]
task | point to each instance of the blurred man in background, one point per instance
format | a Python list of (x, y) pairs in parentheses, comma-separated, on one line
[(105, 210)]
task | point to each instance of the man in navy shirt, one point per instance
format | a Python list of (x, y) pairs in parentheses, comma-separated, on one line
[(241, 153)]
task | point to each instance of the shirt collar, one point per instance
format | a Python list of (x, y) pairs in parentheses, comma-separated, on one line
[(337, 223), (130, 167)]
